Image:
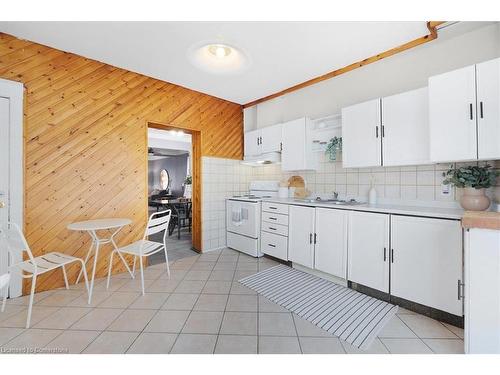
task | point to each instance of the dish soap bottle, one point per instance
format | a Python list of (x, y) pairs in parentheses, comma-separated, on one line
[(372, 194)]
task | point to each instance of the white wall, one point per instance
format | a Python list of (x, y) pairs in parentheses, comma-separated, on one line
[(402, 72)]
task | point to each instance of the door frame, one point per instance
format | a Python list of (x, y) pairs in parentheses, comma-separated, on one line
[(196, 173), (14, 91)]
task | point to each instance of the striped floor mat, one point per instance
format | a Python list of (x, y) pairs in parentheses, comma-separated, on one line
[(345, 313)]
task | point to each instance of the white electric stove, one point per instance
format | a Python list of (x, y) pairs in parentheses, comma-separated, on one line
[(243, 217)]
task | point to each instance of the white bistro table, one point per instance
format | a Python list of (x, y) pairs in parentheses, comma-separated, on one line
[(91, 227)]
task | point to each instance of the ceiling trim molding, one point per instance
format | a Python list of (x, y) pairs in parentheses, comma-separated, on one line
[(431, 26)]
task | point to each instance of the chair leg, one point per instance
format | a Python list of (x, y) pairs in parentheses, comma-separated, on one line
[(30, 306), (65, 276), (109, 268), (166, 261), (142, 275), (4, 302), (133, 266)]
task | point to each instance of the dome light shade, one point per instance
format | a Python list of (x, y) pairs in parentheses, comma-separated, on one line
[(218, 58)]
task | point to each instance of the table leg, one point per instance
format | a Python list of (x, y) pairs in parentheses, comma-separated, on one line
[(86, 260), (91, 289)]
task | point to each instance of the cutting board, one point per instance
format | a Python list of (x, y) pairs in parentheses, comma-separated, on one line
[(296, 182), (299, 184)]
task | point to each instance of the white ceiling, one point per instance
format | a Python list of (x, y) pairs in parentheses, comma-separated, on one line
[(281, 54)]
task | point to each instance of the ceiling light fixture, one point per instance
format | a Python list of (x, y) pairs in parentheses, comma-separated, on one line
[(219, 50), (218, 58)]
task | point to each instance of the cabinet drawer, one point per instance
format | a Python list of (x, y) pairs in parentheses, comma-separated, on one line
[(275, 228), (275, 218), (275, 207), (274, 245)]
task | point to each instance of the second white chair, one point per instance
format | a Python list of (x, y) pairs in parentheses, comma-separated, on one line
[(144, 248)]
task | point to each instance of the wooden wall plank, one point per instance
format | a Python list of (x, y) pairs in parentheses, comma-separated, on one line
[(86, 143)]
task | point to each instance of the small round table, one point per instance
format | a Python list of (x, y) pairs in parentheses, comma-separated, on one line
[(91, 227)]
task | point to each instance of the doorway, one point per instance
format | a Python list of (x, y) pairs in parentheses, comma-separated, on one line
[(11, 168), (170, 187)]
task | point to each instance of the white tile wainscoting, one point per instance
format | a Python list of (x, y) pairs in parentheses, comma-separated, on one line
[(413, 185), (221, 178)]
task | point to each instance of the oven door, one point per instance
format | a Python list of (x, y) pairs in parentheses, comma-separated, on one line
[(243, 217)]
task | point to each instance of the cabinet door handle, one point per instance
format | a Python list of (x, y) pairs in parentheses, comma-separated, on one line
[(376, 131), (470, 111), (271, 245), (460, 287), (310, 238), (273, 218), (385, 254), (392, 255), (315, 237), (481, 109), (271, 228), (383, 131), (273, 208)]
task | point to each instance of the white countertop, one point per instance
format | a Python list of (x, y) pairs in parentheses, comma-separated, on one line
[(437, 212)]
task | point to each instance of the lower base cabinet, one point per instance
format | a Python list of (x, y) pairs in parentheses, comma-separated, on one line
[(330, 248), (426, 262), (301, 235), (369, 250)]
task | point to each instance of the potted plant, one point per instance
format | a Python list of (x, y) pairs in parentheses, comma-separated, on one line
[(473, 180), (334, 146), (188, 190)]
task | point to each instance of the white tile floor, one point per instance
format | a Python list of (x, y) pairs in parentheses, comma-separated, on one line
[(201, 309)]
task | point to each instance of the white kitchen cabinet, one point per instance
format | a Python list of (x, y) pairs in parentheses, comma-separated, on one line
[(405, 128), (252, 143), (296, 154), (330, 248), (488, 111), (368, 245), (361, 135), (263, 140), (452, 116), (301, 235), (482, 291), (426, 262), (271, 138)]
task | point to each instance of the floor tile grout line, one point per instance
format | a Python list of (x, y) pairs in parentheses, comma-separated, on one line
[(223, 315), (420, 338), (187, 318)]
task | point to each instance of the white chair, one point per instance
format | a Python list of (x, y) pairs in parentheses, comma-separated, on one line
[(16, 245), (143, 248), (4, 285)]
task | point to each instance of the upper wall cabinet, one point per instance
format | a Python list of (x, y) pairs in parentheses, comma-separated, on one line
[(387, 132), (263, 140), (297, 152), (405, 128), (488, 101), (464, 108), (361, 132)]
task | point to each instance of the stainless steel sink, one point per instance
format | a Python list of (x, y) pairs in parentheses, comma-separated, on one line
[(338, 202)]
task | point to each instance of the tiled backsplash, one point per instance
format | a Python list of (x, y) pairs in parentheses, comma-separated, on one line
[(420, 185), (414, 184)]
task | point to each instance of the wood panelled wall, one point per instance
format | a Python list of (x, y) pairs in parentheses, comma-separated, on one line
[(85, 126)]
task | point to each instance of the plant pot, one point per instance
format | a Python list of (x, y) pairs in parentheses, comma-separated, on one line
[(474, 199)]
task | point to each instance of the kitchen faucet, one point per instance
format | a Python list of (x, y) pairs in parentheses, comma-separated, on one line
[(335, 195)]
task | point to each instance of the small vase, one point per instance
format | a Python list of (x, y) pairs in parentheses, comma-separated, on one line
[(474, 199)]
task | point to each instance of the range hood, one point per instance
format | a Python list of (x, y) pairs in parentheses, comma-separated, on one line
[(262, 159)]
